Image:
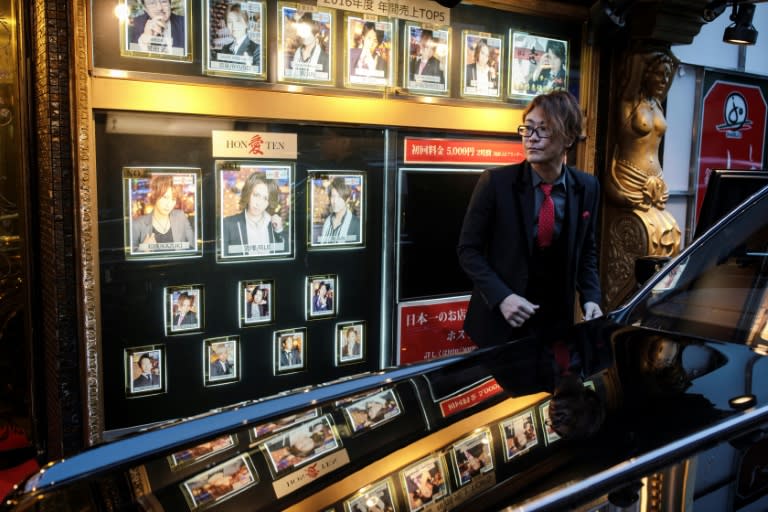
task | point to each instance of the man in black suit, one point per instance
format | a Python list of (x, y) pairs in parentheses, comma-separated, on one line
[(526, 270), (425, 67), (147, 378), (158, 29), (222, 367), (241, 44), (184, 318)]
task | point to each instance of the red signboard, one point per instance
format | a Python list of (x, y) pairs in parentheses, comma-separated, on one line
[(457, 151), (429, 329), (732, 131), (470, 398)]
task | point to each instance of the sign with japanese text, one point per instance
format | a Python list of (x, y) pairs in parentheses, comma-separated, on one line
[(308, 474), (236, 144), (470, 398), (458, 151), (429, 329), (733, 123), (424, 11)]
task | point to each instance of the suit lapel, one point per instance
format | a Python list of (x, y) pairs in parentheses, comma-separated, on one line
[(574, 201), (522, 185)]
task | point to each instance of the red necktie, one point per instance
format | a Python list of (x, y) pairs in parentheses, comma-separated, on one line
[(546, 217), (562, 357)]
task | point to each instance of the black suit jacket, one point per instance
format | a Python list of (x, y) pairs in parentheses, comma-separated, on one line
[(177, 29), (496, 245), (249, 46), (142, 381), (235, 232)]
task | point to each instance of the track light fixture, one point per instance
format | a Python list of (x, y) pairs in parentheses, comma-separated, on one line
[(741, 31)]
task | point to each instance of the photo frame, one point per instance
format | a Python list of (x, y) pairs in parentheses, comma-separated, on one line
[(290, 350), (255, 210), (378, 496), (336, 211), (306, 44), (184, 309), (550, 436), (519, 434), (373, 410), (351, 342), (256, 299), (538, 64), (301, 444), (221, 360), (201, 452), (162, 212), (220, 483), (322, 296), (264, 430), (157, 29), (235, 39), (426, 66), (424, 482), (144, 370), (472, 456), (370, 59), (482, 67)]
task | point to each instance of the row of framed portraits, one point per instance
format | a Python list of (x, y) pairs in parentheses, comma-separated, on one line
[(234, 35), (146, 367), (255, 211), (184, 306), (290, 443)]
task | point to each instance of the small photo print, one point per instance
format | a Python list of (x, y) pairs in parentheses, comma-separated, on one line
[(519, 434), (539, 64), (254, 203), (162, 212), (472, 456), (267, 429), (336, 209), (483, 64), (301, 444), (145, 370), (157, 29), (220, 483), (369, 53), (372, 411), (424, 483), (428, 57), (290, 350), (256, 300), (306, 44), (222, 360), (322, 296), (235, 36), (201, 452), (549, 433), (183, 308), (350, 342), (378, 497)]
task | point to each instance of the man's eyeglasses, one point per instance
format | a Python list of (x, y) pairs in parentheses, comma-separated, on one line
[(528, 131)]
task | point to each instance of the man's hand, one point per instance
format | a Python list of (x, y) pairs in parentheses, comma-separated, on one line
[(516, 309), (591, 311)]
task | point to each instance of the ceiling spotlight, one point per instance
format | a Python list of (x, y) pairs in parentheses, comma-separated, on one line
[(741, 31)]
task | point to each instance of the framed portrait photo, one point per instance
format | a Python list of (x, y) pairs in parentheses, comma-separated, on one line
[(201, 452), (538, 64), (235, 36), (221, 360), (424, 482), (183, 309), (305, 36), (301, 444), (162, 212), (472, 456), (255, 210), (350, 342), (290, 350), (157, 29), (377, 496), (482, 64), (427, 55), (370, 59), (220, 483), (336, 209), (256, 299), (144, 370), (322, 296), (519, 434), (550, 436), (372, 410)]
